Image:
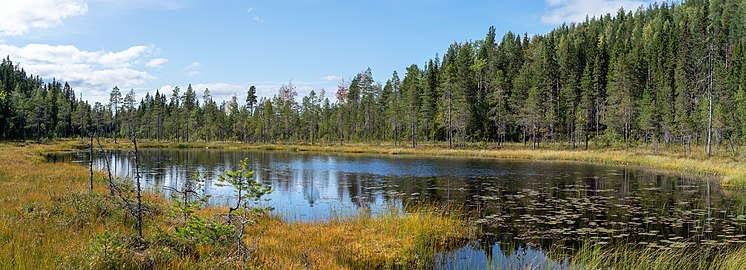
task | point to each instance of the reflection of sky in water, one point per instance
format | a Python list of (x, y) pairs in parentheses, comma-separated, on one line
[(308, 186), (517, 198), (473, 257)]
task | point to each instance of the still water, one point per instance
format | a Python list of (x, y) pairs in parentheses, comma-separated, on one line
[(522, 207)]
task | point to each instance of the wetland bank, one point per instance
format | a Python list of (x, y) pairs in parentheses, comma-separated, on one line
[(614, 140), (528, 213)]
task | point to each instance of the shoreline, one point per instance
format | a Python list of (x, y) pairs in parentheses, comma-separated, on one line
[(385, 242), (43, 199), (728, 172)]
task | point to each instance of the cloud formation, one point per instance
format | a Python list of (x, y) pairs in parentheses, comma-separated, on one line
[(157, 62), (91, 72), (561, 11), (17, 17)]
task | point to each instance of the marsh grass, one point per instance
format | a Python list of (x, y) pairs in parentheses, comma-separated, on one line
[(46, 212), (630, 257), (49, 219), (392, 239)]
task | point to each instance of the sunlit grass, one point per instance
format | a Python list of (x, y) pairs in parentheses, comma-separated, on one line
[(34, 233), (49, 219), (627, 257), (393, 239)]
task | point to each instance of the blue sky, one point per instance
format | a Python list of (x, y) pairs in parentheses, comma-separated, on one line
[(228, 45)]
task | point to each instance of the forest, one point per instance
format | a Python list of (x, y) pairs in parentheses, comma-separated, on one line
[(663, 75)]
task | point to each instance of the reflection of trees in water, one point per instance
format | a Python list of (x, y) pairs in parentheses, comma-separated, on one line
[(359, 189), (310, 191), (505, 189)]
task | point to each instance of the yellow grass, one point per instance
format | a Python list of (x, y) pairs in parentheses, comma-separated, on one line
[(33, 235), (49, 220), (391, 240)]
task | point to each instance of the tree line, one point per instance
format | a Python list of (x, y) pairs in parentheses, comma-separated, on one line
[(666, 74)]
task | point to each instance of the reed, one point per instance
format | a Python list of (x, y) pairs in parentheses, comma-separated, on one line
[(628, 257)]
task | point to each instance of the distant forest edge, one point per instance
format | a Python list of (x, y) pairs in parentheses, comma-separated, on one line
[(668, 74)]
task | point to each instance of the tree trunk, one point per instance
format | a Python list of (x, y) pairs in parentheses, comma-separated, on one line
[(450, 126), (90, 160), (709, 93), (139, 188), (414, 142)]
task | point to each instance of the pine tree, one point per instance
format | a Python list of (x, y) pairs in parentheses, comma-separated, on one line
[(411, 88), (251, 98)]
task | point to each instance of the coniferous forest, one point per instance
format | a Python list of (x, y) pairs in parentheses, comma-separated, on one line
[(662, 75)]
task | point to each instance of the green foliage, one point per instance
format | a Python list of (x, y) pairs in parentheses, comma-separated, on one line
[(195, 236), (248, 208), (248, 191), (107, 251), (642, 77), (81, 208), (195, 229)]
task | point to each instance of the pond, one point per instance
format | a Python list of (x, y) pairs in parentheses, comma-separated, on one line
[(522, 207)]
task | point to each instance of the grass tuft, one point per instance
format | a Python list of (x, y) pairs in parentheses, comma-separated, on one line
[(629, 257), (49, 219)]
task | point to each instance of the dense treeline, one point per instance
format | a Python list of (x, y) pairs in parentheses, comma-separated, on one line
[(30, 108), (665, 74)]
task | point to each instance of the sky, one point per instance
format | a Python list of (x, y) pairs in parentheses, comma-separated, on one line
[(229, 45)]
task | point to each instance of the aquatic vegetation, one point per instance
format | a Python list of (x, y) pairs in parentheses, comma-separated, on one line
[(547, 205), (730, 171), (49, 219), (576, 215), (681, 258)]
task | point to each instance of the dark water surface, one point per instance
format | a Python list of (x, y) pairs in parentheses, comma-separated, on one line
[(522, 207)]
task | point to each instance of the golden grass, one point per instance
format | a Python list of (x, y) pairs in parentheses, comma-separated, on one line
[(45, 223), (31, 236), (730, 170), (392, 240)]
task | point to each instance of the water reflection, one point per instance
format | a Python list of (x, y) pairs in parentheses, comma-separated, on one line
[(521, 206)]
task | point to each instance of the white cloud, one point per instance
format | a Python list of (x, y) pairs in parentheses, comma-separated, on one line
[(17, 17), (166, 89), (193, 69), (561, 11), (91, 72), (154, 63), (249, 10), (329, 78), (123, 58)]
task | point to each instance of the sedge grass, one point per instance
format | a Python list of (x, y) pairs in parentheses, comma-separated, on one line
[(630, 257), (49, 219), (394, 239)]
